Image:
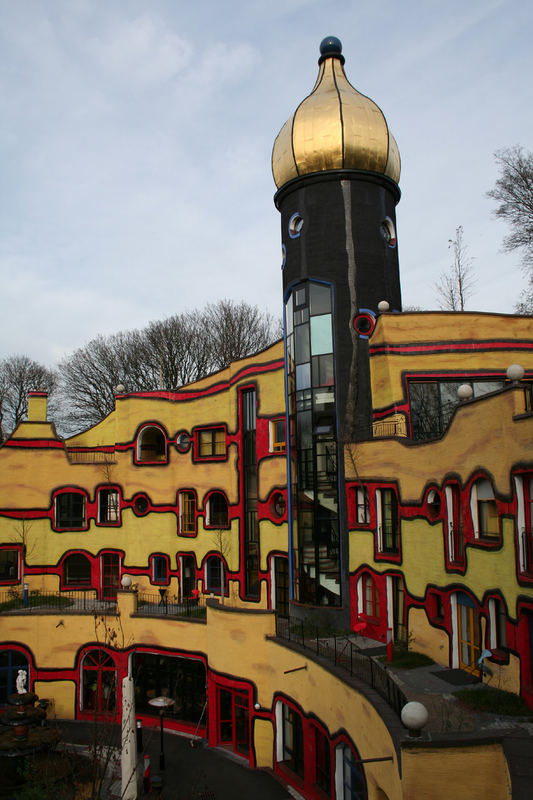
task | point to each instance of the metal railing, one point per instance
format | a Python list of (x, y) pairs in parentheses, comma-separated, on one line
[(65, 602), (344, 653), (155, 605), (382, 429), (90, 457)]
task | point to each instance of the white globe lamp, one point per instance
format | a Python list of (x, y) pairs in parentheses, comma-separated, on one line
[(126, 582), (515, 372), (414, 717), (465, 391)]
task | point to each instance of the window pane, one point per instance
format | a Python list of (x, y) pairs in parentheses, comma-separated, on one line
[(303, 376), (323, 370), (8, 564), (300, 297), (425, 410), (321, 339), (288, 316), (484, 387), (301, 334), (219, 444), (78, 570), (70, 510), (188, 524), (319, 299), (449, 400)]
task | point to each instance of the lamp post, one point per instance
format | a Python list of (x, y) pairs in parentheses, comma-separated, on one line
[(161, 703)]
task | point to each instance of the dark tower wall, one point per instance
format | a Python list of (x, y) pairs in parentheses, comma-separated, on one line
[(342, 242)]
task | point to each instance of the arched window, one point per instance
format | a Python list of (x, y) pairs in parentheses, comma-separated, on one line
[(188, 576), (151, 445), (99, 682), (217, 511), (77, 570), (10, 663)]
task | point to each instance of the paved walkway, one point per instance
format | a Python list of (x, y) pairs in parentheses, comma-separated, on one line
[(201, 773), (191, 773)]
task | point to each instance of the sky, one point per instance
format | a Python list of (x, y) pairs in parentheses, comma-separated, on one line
[(136, 137)]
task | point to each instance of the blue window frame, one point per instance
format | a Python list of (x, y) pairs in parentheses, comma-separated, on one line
[(353, 779)]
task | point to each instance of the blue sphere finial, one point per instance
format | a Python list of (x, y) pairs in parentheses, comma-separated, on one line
[(330, 46)]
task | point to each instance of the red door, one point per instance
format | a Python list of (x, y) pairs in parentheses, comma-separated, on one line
[(99, 676), (234, 721)]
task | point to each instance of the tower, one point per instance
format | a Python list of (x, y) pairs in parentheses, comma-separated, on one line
[(336, 166)]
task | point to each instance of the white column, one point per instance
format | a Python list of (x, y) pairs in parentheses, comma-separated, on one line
[(129, 742)]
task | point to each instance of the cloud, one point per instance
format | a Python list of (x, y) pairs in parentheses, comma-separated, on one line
[(140, 52)]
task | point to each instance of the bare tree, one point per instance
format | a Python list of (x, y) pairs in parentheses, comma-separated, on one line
[(456, 285), (514, 194), (166, 354), (238, 330), (89, 377), (22, 532), (18, 376), (223, 546), (177, 350)]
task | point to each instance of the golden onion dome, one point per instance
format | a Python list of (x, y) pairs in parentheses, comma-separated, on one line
[(335, 127)]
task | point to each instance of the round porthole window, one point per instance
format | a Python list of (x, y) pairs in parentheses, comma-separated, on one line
[(296, 224), (388, 231), (183, 441), (283, 256), (364, 324), (140, 504)]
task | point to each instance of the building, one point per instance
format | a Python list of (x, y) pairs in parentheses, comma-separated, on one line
[(374, 472)]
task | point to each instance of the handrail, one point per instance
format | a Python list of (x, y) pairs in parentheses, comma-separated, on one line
[(346, 655)]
